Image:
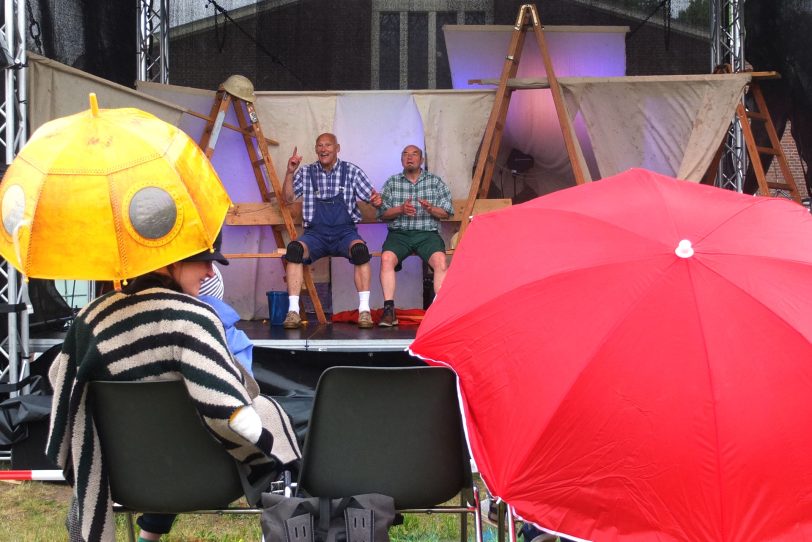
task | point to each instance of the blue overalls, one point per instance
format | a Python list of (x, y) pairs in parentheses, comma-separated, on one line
[(332, 230)]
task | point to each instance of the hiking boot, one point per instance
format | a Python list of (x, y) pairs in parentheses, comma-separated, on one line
[(365, 320), (292, 320), (388, 319)]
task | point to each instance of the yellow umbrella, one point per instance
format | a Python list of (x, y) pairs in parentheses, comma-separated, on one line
[(108, 194)]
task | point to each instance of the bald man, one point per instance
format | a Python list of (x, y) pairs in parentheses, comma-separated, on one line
[(330, 189)]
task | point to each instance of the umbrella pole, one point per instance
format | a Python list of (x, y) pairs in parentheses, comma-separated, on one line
[(505, 522)]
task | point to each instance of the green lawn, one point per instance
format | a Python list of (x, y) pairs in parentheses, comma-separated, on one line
[(35, 512)]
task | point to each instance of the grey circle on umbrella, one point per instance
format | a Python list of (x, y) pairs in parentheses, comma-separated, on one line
[(13, 207), (152, 212)]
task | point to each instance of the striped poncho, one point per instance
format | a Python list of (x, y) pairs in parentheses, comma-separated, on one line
[(155, 334)]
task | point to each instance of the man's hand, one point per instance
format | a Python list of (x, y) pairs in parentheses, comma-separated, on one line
[(408, 208), (424, 203), (294, 161), (375, 199)]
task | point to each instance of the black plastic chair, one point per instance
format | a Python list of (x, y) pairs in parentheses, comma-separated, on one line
[(395, 431), (158, 454)]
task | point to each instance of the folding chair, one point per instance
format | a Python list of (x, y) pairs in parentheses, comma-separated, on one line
[(395, 431), (158, 454)]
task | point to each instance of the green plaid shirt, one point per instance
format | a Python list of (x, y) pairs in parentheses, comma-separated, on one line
[(397, 189)]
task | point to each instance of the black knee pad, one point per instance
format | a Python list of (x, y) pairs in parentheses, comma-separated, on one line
[(359, 254), (295, 252)]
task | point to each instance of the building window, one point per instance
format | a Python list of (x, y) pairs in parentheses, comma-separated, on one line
[(408, 47), (389, 43)]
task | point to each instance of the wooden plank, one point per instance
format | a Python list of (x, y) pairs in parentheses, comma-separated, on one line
[(211, 118), (268, 214), (281, 252)]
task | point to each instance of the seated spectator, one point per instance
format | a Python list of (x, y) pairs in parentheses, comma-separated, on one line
[(156, 329)]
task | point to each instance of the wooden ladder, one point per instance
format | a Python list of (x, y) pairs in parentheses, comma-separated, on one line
[(262, 165), (528, 18), (747, 118)]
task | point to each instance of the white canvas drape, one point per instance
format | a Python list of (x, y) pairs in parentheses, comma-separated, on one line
[(669, 124)]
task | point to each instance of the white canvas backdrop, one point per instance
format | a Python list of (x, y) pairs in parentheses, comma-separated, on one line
[(669, 124)]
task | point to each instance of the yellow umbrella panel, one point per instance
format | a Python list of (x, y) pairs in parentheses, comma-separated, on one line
[(108, 195)]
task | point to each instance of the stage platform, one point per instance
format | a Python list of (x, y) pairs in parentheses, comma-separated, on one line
[(335, 337)]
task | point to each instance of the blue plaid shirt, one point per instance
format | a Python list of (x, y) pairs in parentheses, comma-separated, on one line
[(357, 187), (397, 189)]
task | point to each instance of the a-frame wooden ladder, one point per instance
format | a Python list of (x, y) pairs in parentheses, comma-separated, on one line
[(757, 115), (527, 19), (747, 118), (261, 164)]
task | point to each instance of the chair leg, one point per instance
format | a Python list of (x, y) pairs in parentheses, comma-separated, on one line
[(130, 527), (463, 519), (477, 516)]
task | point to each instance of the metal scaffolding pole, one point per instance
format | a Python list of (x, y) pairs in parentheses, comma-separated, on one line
[(14, 350), (153, 40), (727, 47)]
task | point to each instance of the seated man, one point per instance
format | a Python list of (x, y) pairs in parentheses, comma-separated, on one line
[(329, 189), (413, 202)]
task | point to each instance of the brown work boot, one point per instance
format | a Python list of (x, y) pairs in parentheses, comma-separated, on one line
[(292, 320), (365, 320), (388, 319)]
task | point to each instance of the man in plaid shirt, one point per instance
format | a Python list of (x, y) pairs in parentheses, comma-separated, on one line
[(329, 189), (413, 202)]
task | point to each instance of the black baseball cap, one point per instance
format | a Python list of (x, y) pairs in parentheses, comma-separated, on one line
[(208, 255)]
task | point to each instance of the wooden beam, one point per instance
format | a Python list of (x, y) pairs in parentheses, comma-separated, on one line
[(268, 214)]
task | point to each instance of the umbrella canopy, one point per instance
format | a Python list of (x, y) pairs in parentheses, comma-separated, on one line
[(636, 364), (108, 194)]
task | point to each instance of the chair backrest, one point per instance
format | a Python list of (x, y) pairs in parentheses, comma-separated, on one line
[(395, 431), (157, 452)]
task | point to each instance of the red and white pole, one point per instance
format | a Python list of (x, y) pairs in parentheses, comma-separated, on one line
[(36, 475)]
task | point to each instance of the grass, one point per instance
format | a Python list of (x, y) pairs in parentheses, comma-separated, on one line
[(35, 512)]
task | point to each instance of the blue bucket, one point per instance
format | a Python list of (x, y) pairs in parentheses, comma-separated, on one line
[(277, 307)]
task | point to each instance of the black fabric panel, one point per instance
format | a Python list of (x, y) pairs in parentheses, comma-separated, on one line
[(779, 37)]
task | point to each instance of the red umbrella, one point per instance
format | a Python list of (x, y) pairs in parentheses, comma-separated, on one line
[(635, 360)]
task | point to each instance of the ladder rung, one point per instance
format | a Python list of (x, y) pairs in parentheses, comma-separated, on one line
[(779, 186), (756, 115), (259, 162), (768, 150)]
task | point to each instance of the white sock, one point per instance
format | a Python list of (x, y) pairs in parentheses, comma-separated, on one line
[(363, 301), (293, 303)]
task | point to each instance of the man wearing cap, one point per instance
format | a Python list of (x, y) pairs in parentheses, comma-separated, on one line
[(330, 189), (212, 292), (155, 328)]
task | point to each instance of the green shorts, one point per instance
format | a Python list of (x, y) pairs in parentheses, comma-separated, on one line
[(404, 243)]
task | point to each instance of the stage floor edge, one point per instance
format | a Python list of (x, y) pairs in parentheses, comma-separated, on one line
[(333, 337)]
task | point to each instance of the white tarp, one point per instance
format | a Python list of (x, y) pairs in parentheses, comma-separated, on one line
[(372, 128), (669, 124), (56, 90)]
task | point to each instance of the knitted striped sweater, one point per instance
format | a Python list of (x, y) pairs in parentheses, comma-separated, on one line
[(155, 334)]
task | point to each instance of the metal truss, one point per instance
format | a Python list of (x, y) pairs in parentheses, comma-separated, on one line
[(727, 48), (153, 40), (14, 350)]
